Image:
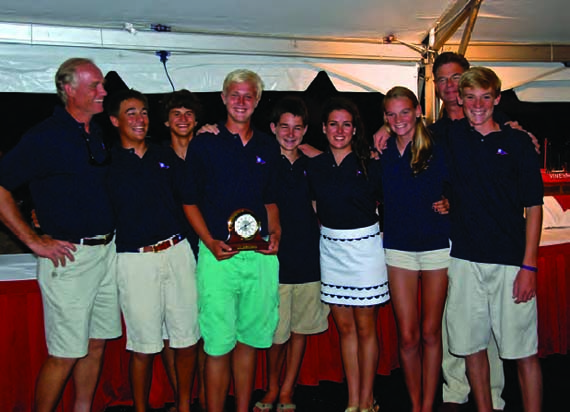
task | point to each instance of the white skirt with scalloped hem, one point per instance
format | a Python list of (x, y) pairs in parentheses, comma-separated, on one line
[(353, 269)]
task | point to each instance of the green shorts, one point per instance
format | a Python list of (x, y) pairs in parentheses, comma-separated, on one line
[(238, 300)]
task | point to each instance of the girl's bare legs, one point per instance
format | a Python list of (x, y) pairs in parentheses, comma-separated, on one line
[(359, 350), (434, 292), (404, 295), (346, 325), (366, 318)]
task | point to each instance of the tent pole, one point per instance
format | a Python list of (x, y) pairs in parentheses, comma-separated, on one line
[(469, 27), (431, 106)]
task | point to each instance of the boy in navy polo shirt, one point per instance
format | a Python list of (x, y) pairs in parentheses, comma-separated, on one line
[(181, 111), (156, 266), (238, 290), (492, 276), (301, 311)]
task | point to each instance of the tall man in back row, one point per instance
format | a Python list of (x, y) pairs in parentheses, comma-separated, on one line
[(238, 290), (65, 163), (447, 70)]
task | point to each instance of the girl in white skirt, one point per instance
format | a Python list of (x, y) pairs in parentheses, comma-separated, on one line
[(347, 187)]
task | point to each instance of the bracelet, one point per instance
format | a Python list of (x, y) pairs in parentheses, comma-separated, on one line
[(530, 268)]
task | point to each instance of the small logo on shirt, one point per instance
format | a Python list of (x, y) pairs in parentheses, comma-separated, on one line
[(259, 160), (358, 172), (163, 165), (501, 152)]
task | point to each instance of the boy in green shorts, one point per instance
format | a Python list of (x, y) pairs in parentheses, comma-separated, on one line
[(238, 290)]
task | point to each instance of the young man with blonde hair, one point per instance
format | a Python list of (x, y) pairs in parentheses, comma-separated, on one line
[(496, 214), (238, 290)]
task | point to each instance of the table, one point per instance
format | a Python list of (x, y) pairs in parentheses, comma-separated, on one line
[(556, 183), (22, 347)]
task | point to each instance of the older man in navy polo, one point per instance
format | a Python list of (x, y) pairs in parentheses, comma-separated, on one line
[(65, 163)]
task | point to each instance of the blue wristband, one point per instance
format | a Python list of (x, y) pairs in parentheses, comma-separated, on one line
[(530, 268)]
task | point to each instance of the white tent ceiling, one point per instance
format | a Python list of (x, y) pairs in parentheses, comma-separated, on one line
[(287, 42), (509, 21)]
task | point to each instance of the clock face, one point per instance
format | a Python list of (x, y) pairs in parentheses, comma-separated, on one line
[(246, 226)]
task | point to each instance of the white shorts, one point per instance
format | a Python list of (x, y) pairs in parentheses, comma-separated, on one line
[(300, 311), (480, 302), (157, 292), (80, 300), (428, 260)]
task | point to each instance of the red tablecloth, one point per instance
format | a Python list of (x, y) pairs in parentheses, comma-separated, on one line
[(22, 347)]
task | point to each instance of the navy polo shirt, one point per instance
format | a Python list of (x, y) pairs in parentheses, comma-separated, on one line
[(346, 197), (144, 196), (440, 127), (190, 234), (57, 158), (299, 246), (494, 178), (222, 175), (410, 223)]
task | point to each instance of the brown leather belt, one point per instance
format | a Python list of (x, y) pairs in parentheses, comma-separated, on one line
[(96, 241), (165, 244)]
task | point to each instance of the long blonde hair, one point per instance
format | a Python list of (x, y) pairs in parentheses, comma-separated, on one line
[(422, 142)]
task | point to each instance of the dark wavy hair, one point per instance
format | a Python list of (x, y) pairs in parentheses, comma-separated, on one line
[(449, 57), (290, 104), (113, 101), (359, 144), (180, 98)]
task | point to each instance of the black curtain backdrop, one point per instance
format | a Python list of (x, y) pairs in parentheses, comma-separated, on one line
[(21, 111)]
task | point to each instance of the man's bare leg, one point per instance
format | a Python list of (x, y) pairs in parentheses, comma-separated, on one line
[(217, 381), (200, 374), (477, 366), (51, 381), (185, 362), (167, 355), (140, 368), (295, 353), (275, 359), (530, 379), (86, 375), (243, 362)]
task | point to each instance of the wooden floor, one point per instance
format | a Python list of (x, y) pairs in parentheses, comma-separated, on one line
[(390, 391)]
